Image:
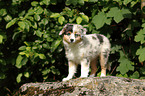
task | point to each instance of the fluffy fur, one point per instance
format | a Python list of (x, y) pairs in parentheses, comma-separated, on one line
[(85, 50)]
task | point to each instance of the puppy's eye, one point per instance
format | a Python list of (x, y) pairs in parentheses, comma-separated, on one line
[(76, 35), (68, 34)]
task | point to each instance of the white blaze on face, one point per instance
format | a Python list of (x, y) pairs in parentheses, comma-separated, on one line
[(72, 38)]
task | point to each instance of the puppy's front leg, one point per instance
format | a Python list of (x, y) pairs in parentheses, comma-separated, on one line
[(85, 63), (72, 69)]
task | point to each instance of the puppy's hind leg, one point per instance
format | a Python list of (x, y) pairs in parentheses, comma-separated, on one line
[(93, 64), (72, 70)]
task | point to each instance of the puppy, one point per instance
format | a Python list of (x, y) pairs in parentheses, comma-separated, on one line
[(85, 50)]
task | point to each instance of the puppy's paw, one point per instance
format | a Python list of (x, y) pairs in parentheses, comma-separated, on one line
[(93, 75), (65, 79), (102, 75)]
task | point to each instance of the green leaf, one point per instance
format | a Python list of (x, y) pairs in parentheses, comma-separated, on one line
[(34, 3), (126, 13), (26, 74), (22, 48), (81, 2), (143, 70), (27, 26), (38, 33), (108, 21), (129, 66), (12, 22), (79, 20), (46, 2), (3, 12), (18, 79), (2, 76), (125, 64), (30, 12), (8, 18), (24, 61), (18, 61), (54, 15), (85, 17), (116, 14), (1, 39), (61, 19), (42, 56), (120, 75), (53, 2), (22, 53), (45, 71), (135, 75), (122, 67), (99, 20), (125, 2), (15, 35), (39, 10), (37, 17), (112, 11), (74, 2), (34, 25), (141, 52), (115, 49), (93, 1), (54, 45), (44, 21), (21, 24), (140, 36)]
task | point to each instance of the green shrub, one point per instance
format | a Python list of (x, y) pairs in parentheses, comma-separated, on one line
[(32, 51)]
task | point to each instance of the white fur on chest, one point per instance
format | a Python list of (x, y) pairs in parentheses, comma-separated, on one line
[(88, 48)]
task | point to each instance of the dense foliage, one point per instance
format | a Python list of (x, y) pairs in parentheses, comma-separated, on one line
[(32, 51)]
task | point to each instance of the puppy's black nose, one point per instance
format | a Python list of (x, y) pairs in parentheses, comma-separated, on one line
[(71, 40)]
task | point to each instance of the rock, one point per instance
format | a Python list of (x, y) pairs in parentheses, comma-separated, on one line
[(96, 86)]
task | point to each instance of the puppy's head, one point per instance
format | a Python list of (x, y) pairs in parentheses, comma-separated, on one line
[(73, 33)]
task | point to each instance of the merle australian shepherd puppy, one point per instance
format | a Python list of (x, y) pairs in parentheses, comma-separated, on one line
[(85, 50)]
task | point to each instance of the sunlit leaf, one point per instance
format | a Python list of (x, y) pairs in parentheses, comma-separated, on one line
[(21, 24), (61, 19), (34, 3), (18, 79), (42, 56), (37, 17), (38, 33), (55, 15), (1, 39), (18, 61), (85, 17), (26, 74), (12, 22), (54, 45)]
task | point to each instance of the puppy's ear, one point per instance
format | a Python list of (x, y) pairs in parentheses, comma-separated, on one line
[(84, 30), (63, 29)]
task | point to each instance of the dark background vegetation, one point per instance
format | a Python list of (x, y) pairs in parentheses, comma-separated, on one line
[(32, 51)]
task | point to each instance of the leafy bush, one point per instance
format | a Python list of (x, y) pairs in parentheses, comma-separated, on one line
[(32, 51)]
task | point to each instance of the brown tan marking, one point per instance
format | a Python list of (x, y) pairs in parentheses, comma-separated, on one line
[(103, 65), (93, 64)]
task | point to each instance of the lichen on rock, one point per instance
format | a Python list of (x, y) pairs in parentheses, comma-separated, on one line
[(102, 86)]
